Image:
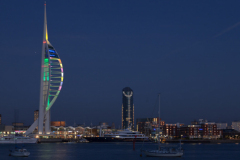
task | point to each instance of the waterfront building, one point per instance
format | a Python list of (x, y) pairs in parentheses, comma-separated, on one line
[(148, 126), (202, 121), (19, 127), (103, 124), (58, 123), (236, 125), (16, 124), (210, 130), (127, 108), (2, 128), (113, 125), (221, 125), (75, 132), (36, 113), (202, 131), (184, 132), (230, 134), (195, 131), (9, 129), (50, 83), (170, 131)]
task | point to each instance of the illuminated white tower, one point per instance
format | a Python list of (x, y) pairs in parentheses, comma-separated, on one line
[(51, 82), (127, 108)]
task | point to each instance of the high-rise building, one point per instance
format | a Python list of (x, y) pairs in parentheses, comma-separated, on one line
[(127, 108), (51, 82), (36, 115)]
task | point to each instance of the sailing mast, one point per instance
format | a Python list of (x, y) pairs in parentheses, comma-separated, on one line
[(159, 110), (159, 118)]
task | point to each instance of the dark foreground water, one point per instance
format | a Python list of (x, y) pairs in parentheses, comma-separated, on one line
[(119, 151)]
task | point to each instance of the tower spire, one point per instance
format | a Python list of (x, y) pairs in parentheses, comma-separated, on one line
[(45, 34), (50, 84)]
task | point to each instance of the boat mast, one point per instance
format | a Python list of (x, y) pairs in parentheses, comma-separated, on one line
[(159, 110), (159, 118)]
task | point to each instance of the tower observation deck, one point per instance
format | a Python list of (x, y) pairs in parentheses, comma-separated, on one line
[(50, 84)]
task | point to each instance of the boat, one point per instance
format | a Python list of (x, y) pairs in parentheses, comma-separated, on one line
[(19, 152), (126, 135), (164, 150), (83, 140), (17, 139)]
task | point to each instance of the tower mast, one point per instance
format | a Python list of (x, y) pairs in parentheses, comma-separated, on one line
[(50, 83), (41, 100)]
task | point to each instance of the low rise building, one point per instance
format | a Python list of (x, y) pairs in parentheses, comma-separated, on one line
[(171, 131), (236, 125), (149, 126), (9, 129), (221, 125), (201, 129), (36, 113), (195, 131), (58, 123), (230, 134)]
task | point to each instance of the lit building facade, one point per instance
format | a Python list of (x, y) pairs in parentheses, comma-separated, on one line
[(127, 108), (148, 126), (51, 82), (58, 123), (236, 125), (171, 131), (210, 131), (203, 130), (221, 125), (36, 115)]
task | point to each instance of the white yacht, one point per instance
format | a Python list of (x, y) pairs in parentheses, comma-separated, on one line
[(17, 139), (127, 134), (165, 151), (19, 152), (83, 140)]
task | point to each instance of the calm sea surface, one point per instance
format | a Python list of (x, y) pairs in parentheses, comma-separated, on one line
[(117, 151)]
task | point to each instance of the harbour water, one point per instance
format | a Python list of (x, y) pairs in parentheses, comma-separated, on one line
[(119, 151)]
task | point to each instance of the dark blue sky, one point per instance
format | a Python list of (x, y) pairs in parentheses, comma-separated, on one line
[(186, 50)]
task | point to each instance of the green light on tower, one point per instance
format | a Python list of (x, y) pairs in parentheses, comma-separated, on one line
[(48, 103), (47, 76)]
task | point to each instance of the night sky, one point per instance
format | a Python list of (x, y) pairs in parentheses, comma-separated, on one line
[(189, 51)]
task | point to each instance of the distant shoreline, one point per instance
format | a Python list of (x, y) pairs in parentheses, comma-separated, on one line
[(59, 140), (204, 141)]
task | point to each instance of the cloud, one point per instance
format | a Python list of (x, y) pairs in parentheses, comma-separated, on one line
[(227, 30), (217, 35)]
